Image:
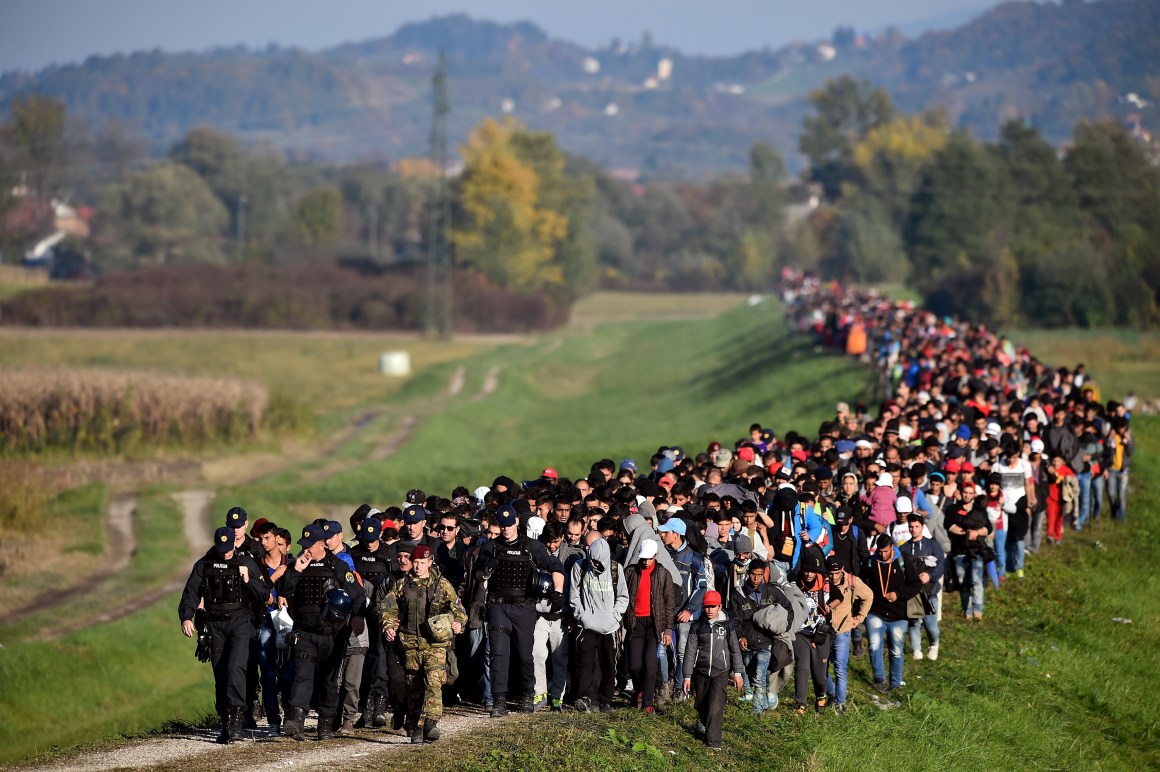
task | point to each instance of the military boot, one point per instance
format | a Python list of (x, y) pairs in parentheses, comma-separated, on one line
[(295, 724), (528, 704), (325, 727), (237, 724), (379, 712), (224, 736), (415, 731), (430, 731)]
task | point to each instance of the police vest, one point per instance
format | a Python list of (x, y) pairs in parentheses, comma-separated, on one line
[(372, 566), (310, 593), (513, 571), (221, 587)]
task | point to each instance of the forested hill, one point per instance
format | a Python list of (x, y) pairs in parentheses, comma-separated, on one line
[(620, 105)]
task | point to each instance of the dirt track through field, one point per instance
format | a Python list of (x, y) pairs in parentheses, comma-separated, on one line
[(195, 517), (197, 749), (120, 541)]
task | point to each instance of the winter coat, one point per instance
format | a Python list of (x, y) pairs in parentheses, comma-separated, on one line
[(712, 648), (662, 598)]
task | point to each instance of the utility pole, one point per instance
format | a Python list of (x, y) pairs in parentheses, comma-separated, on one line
[(241, 234), (439, 269)]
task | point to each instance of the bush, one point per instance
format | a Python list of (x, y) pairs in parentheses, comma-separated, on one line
[(24, 497), (302, 295)]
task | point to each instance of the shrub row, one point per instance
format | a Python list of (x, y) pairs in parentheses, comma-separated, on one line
[(300, 295)]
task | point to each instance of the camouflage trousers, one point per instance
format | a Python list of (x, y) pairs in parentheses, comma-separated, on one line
[(426, 672)]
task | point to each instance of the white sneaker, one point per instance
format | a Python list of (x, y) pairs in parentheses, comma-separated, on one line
[(932, 652), (917, 654)]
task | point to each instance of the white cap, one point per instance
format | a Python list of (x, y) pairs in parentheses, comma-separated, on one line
[(1037, 445), (863, 444), (648, 549), (993, 429), (903, 506), (905, 433), (886, 479)]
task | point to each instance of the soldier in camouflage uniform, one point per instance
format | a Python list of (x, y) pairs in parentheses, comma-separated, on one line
[(421, 615)]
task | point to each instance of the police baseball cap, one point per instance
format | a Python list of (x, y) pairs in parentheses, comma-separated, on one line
[(331, 527), (414, 514), (236, 517), (311, 534), (506, 516), (370, 530), (223, 540), (674, 525)]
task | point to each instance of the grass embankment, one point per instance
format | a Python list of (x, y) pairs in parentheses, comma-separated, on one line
[(1048, 681)]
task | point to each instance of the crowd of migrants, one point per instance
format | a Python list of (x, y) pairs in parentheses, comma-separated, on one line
[(766, 560)]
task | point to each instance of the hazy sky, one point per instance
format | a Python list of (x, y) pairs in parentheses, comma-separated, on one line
[(34, 33)]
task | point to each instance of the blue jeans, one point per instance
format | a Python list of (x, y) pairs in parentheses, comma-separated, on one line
[(878, 629), (840, 658), (680, 636), (477, 638), (928, 623), (970, 573), (756, 675), (1015, 550), (1001, 550), (1118, 494), (269, 664), (1099, 491), (1085, 499)]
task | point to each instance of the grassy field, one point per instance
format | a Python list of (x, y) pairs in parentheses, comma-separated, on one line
[(1048, 682), (1122, 361)]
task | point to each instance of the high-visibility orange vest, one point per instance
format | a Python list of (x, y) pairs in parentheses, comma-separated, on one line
[(856, 340)]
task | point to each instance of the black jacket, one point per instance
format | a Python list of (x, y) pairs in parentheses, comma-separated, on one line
[(712, 648)]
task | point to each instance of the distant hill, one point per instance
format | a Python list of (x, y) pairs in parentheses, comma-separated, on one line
[(1053, 64)]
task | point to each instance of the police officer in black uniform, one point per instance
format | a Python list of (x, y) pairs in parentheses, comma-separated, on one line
[(320, 633), (510, 562), (373, 564), (228, 585), (238, 520)]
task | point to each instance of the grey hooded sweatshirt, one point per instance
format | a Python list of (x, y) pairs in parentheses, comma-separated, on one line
[(639, 530), (596, 604)]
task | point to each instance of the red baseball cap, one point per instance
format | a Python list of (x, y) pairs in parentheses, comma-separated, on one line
[(550, 473), (952, 466), (712, 598)]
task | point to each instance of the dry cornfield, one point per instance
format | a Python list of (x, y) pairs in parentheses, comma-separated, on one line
[(84, 409)]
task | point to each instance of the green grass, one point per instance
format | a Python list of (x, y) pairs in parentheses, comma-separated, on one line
[(160, 542), (1122, 361), (571, 398), (1049, 681), (125, 677)]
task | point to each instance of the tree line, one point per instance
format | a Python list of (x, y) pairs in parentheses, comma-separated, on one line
[(1011, 231)]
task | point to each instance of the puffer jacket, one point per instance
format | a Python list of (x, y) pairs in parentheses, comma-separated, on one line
[(712, 648)]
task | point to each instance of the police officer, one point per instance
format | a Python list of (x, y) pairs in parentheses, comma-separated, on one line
[(246, 545), (227, 585), (510, 561), (421, 615), (415, 527), (321, 629), (373, 564)]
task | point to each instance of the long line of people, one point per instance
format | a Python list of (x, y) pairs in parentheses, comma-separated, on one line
[(760, 561)]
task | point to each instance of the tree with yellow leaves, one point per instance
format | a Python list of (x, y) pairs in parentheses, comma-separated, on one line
[(504, 227)]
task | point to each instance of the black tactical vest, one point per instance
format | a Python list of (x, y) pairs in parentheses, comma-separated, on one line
[(513, 572), (372, 566), (310, 593), (221, 587)]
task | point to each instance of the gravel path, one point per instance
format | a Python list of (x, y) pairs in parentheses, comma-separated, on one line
[(197, 749)]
